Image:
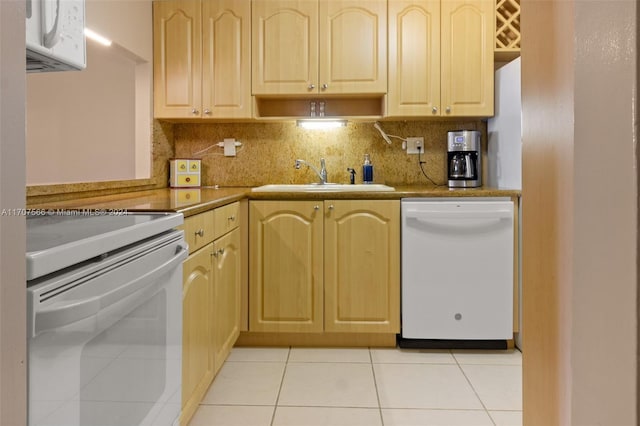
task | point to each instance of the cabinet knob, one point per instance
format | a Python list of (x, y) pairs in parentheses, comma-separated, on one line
[(195, 111), (448, 109), (330, 206), (221, 251), (311, 86), (200, 232), (207, 111), (325, 86), (231, 218), (316, 208), (434, 110)]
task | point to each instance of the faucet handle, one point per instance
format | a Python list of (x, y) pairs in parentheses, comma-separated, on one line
[(352, 177)]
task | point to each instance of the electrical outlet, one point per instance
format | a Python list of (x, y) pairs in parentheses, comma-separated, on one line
[(413, 144)]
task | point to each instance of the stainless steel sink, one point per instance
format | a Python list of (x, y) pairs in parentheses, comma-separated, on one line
[(327, 187)]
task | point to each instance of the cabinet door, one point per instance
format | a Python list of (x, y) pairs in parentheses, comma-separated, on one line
[(197, 353), (353, 46), (467, 57), (226, 59), (284, 46), (226, 295), (286, 257), (362, 266), (177, 48), (414, 58)]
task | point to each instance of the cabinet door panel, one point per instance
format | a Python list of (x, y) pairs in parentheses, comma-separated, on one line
[(362, 258), (285, 46), (353, 46), (414, 58), (286, 280), (226, 295), (226, 58), (197, 356), (467, 57), (177, 58)]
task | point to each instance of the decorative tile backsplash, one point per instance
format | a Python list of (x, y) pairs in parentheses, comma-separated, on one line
[(269, 151)]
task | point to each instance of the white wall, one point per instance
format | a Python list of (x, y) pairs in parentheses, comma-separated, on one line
[(580, 217), (81, 124), (126, 22), (13, 383), (604, 301), (95, 125)]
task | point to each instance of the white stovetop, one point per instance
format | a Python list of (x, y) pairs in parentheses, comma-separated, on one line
[(58, 241)]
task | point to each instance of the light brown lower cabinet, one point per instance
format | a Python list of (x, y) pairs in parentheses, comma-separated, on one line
[(197, 329), (226, 295), (211, 301), (324, 266)]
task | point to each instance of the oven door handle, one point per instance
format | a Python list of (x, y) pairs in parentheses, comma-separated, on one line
[(58, 315)]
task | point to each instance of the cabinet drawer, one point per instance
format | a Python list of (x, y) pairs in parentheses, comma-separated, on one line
[(226, 218), (198, 230), (188, 179)]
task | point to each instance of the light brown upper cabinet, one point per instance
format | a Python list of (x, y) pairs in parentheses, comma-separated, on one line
[(326, 47), (441, 58), (202, 55)]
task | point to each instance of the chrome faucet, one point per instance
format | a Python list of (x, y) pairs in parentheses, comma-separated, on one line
[(322, 174)]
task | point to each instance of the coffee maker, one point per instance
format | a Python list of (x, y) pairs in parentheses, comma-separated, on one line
[(464, 161)]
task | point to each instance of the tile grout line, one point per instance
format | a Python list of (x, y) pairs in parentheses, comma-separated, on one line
[(284, 371), (375, 385), (473, 388)]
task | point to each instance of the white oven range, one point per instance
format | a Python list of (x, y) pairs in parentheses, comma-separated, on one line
[(104, 298)]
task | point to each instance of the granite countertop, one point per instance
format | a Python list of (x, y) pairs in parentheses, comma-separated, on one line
[(185, 200), (193, 201)]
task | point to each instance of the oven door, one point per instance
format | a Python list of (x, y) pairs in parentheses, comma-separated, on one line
[(105, 339)]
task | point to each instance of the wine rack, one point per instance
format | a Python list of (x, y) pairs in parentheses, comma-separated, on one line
[(507, 30)]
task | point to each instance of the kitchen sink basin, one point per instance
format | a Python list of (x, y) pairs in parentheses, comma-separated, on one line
[(327, 187)]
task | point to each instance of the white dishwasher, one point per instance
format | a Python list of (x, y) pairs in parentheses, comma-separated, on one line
[(457, 272)]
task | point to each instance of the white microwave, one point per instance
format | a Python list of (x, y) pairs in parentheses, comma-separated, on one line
[(55, 35)]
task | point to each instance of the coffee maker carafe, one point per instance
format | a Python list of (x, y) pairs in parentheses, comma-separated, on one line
[(464, 162)]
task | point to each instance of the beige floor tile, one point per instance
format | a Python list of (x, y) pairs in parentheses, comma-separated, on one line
[(330, 355), (237, 415), (508, 357), (250, 354), (506, 418), (498, 386), (246, 383), (328, 385), (435, 386), (414, 417), (326, 416), (411, 356)]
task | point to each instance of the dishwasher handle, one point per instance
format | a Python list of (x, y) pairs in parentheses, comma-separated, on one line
[(61, 314), (423, 214)]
